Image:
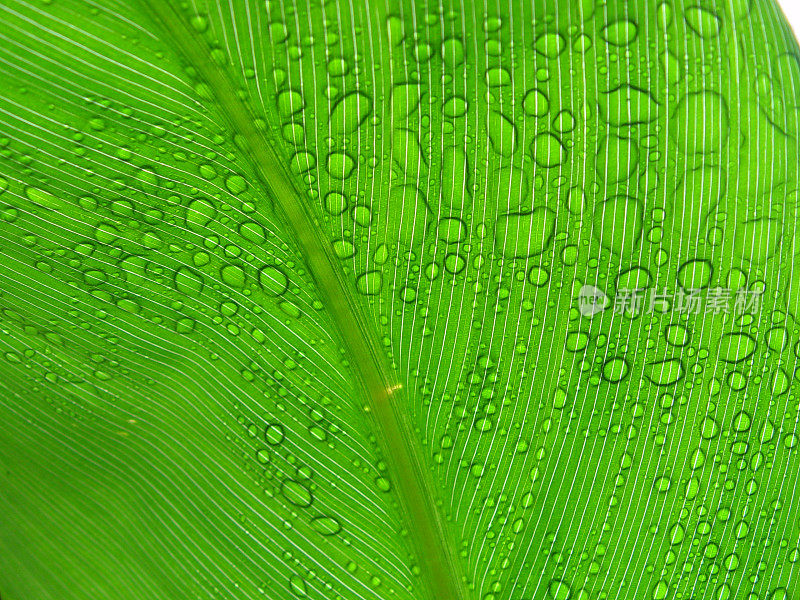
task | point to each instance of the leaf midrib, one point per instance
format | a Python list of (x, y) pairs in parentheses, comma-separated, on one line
[(383, 391)]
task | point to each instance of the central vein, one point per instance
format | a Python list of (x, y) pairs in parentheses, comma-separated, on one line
[(385, 395)]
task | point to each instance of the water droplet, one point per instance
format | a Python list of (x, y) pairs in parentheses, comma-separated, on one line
[(497, 76), (617, 158), (676, 334), (326, 525), (665, 372), (741, 422), (627, 105), (558, 589), (709, 428), (452, 230), (452, 52), (703, 22), (290, 102), (560, 399), (344, 249), (535, 103), (303, 162), (618, 223), (576, 341), (335, 203), (454, 263), (455, 107), (615, 369), (349, 113), (405, 100), (407, 151), (735, 347), (707, 111), (233, 276), (296, 493), (662, 484), (199, 23), (340, 165), (369, 283), (619, 33), (695, 274), (236, 184), (455, 179), (188, 282), (564, 121), (252, 232), (502, 134), (273, 280), (538, 276), (660, 590), (548, 151), (45, 199), (676, 534), (550, 45), (297, 586), (525, 234), (274, 434)]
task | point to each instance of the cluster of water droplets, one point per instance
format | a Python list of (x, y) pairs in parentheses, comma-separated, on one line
[(471, 176), (605, 146)]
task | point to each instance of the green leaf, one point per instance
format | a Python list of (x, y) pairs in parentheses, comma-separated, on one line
[(364, 300)]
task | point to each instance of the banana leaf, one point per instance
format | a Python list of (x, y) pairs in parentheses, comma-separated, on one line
[(398, 300)]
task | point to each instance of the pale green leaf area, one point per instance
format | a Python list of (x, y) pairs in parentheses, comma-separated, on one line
[(293, 300)]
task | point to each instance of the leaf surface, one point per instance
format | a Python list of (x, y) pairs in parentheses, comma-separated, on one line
[(294, 300)]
